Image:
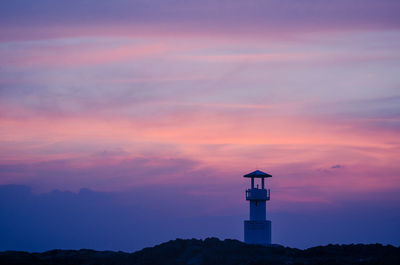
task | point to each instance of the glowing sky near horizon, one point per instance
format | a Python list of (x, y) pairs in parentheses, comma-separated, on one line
[(112, 95)]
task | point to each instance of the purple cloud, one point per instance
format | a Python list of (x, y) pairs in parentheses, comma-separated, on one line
[(232, 17), (144, 217)]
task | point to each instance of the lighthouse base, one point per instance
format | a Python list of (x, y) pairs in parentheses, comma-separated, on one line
[(257, 232)]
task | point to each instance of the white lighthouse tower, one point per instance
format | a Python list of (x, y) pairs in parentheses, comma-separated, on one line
[(257, 230)]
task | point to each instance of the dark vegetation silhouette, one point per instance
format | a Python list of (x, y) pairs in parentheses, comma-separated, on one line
[(214, 251)]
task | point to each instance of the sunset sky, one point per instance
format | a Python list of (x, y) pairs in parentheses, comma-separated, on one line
[(157, 108)]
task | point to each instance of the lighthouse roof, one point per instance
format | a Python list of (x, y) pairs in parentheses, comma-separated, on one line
[(257, 174)]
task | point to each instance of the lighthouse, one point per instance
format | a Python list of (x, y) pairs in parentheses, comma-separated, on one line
[(257, 230)]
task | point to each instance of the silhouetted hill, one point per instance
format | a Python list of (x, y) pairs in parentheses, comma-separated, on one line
[(213, 251)]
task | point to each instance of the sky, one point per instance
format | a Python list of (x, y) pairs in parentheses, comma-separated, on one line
[(124, 124)]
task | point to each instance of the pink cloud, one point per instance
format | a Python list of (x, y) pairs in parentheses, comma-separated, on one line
[(299, 150), (83, 55)]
